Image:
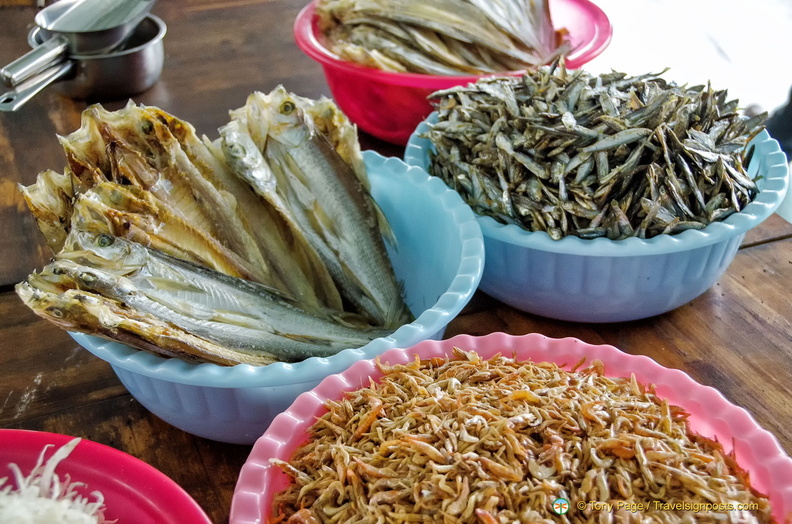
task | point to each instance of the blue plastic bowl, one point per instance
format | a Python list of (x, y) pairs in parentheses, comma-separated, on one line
[(603, 280), (439, 257)]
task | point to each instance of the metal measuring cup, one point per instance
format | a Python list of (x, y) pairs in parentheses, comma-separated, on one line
[(79, 28)]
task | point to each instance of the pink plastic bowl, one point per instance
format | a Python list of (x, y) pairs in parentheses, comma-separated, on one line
[(134, 492), (390, 105), (711, 414)]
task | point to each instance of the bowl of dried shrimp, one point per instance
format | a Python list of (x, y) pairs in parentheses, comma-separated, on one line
[(624, 207), (488, 429), (381, 59)]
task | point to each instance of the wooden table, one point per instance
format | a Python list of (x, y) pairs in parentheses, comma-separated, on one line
[(736, 337)]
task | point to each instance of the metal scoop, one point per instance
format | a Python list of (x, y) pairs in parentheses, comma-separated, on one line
[(79, 27)]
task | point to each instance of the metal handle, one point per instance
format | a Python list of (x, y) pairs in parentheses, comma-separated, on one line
[(39, 58), (27, 89)]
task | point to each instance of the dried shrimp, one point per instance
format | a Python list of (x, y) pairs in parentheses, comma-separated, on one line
[(469, 440)]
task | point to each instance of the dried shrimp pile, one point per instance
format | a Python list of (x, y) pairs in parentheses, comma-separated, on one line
[(441, 37), (498, 441), (613, 156)]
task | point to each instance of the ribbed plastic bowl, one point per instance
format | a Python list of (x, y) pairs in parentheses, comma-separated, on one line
[(756, 450), (389, 105), (602, 280), (439, 257)]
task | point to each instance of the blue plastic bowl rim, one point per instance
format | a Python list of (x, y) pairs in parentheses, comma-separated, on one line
[(773, 188), (428, 323)]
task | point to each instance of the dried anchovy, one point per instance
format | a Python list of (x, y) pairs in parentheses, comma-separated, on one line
[(468, 440), (613, 156)]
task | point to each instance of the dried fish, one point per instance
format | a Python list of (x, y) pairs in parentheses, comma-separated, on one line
[(468, 440), (49, 199), (601, 140), (249, 320), (441, 37), (262, 245), (321, 198)]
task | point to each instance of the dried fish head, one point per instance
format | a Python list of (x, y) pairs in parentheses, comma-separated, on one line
[(287, 120), (50, 200), (102, 250)]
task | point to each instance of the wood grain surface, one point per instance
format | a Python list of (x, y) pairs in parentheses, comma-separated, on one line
[(736, 337)]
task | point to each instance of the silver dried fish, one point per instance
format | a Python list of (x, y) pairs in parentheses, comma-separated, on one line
[(640, 155), (441, 37)]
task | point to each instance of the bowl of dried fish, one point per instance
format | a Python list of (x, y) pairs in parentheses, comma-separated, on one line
[(221, 278), (629, 201), (382, 59), (497, 428)]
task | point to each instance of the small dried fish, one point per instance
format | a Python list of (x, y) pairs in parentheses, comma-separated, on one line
[(614, 144), (468, 440)]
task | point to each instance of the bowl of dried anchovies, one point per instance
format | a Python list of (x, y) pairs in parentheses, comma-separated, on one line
[(383, 58), (496, 428), (602, 198)]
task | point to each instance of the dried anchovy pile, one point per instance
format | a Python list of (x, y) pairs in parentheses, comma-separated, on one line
[(613, 156), (497, 441)]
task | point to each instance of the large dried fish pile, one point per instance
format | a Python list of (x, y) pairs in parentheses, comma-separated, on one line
[(608, 155), (262, 245), (492, 441), (441, 37)]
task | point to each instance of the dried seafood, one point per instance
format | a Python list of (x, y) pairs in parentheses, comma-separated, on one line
[(468, 440), (263, 245), (441, 37), (99, 281), (613, 156)]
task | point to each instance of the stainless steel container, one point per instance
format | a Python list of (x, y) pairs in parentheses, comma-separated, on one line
[(77, 27), (130, 70)]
